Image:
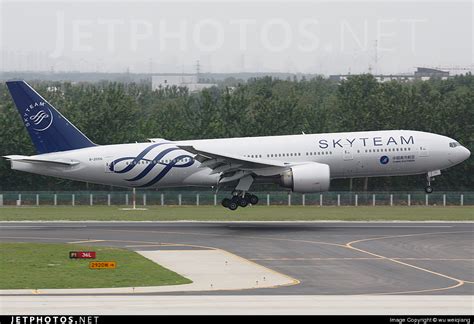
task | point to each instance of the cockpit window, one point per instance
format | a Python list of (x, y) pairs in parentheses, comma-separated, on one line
[(454, 144)]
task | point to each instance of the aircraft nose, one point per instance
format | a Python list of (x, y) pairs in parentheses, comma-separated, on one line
[(465, 153)]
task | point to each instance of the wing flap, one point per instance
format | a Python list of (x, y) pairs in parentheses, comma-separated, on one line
[(234, 167), (245, 162)]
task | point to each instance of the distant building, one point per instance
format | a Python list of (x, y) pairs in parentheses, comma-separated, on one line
[(421, 73), (427, 73), (189, 81)]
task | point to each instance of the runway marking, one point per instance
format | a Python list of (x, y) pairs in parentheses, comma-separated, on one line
[(65, 239), (86, 241), (157, 245), (395, 226), (349, 246), (313, 259), (226, 235), (343, 259), (459, 282), (433, 259), (41, 226)]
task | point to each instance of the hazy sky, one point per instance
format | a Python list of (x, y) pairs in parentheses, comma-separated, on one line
[(235, 36)]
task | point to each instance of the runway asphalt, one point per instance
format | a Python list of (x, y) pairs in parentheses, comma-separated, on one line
[(328, 258)]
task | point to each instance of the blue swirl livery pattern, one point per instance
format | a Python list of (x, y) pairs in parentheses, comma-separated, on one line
[(181, 161)]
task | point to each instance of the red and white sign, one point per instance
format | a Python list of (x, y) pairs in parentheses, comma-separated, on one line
[(82, 255)]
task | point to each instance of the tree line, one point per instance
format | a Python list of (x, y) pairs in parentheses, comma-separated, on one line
[(111, 112)]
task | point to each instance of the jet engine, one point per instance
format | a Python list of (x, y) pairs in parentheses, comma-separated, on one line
[(305, 178)]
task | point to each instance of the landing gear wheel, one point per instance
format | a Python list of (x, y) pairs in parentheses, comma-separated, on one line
[(253, 199), (232, 205), (243, 202), (428, 189), (225, 202)]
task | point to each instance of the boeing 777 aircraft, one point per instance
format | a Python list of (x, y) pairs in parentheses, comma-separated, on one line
[(303, 163)]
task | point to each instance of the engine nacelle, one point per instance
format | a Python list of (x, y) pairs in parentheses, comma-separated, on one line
[(310, 177)]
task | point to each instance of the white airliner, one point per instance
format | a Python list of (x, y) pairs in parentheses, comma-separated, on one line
[(303, 163)]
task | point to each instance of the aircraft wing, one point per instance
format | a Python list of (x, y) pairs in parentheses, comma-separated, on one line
[(30, 159), (234, 167)]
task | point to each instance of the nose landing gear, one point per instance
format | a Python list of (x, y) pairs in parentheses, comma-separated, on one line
[(428, 189), (430, 177)]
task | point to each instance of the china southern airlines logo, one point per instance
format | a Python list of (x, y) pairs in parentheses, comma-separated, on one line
[(384, 159), (38, 116), (145, 166)]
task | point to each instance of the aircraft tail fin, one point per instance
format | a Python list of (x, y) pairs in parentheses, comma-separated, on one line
[(49, 130)]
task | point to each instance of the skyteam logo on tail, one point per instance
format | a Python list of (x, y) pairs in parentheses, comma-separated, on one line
[(38, 116)]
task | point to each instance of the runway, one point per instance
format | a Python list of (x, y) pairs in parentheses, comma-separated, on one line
[(338, 258)]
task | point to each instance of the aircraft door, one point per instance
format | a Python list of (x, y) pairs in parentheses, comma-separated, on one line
[(349, 165), (423, 151), (108, 165), (347, 154)]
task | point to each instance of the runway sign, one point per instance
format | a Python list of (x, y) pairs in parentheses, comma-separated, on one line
[(82, 255), (102, 265)]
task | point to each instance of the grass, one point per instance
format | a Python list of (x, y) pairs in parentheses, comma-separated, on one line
[(255, 213), (43, 266)]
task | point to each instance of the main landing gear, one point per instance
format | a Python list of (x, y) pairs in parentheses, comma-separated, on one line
[(239, 199)]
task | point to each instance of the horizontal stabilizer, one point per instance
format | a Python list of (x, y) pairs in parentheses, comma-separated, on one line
[(31, 159)]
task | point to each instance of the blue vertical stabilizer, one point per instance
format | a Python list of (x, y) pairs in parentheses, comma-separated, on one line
[(49, 130)]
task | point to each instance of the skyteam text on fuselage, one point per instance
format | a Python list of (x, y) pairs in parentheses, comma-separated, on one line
[(303, 163)]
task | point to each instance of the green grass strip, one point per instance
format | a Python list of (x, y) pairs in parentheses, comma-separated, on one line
[(252, 213), (46, 266)]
